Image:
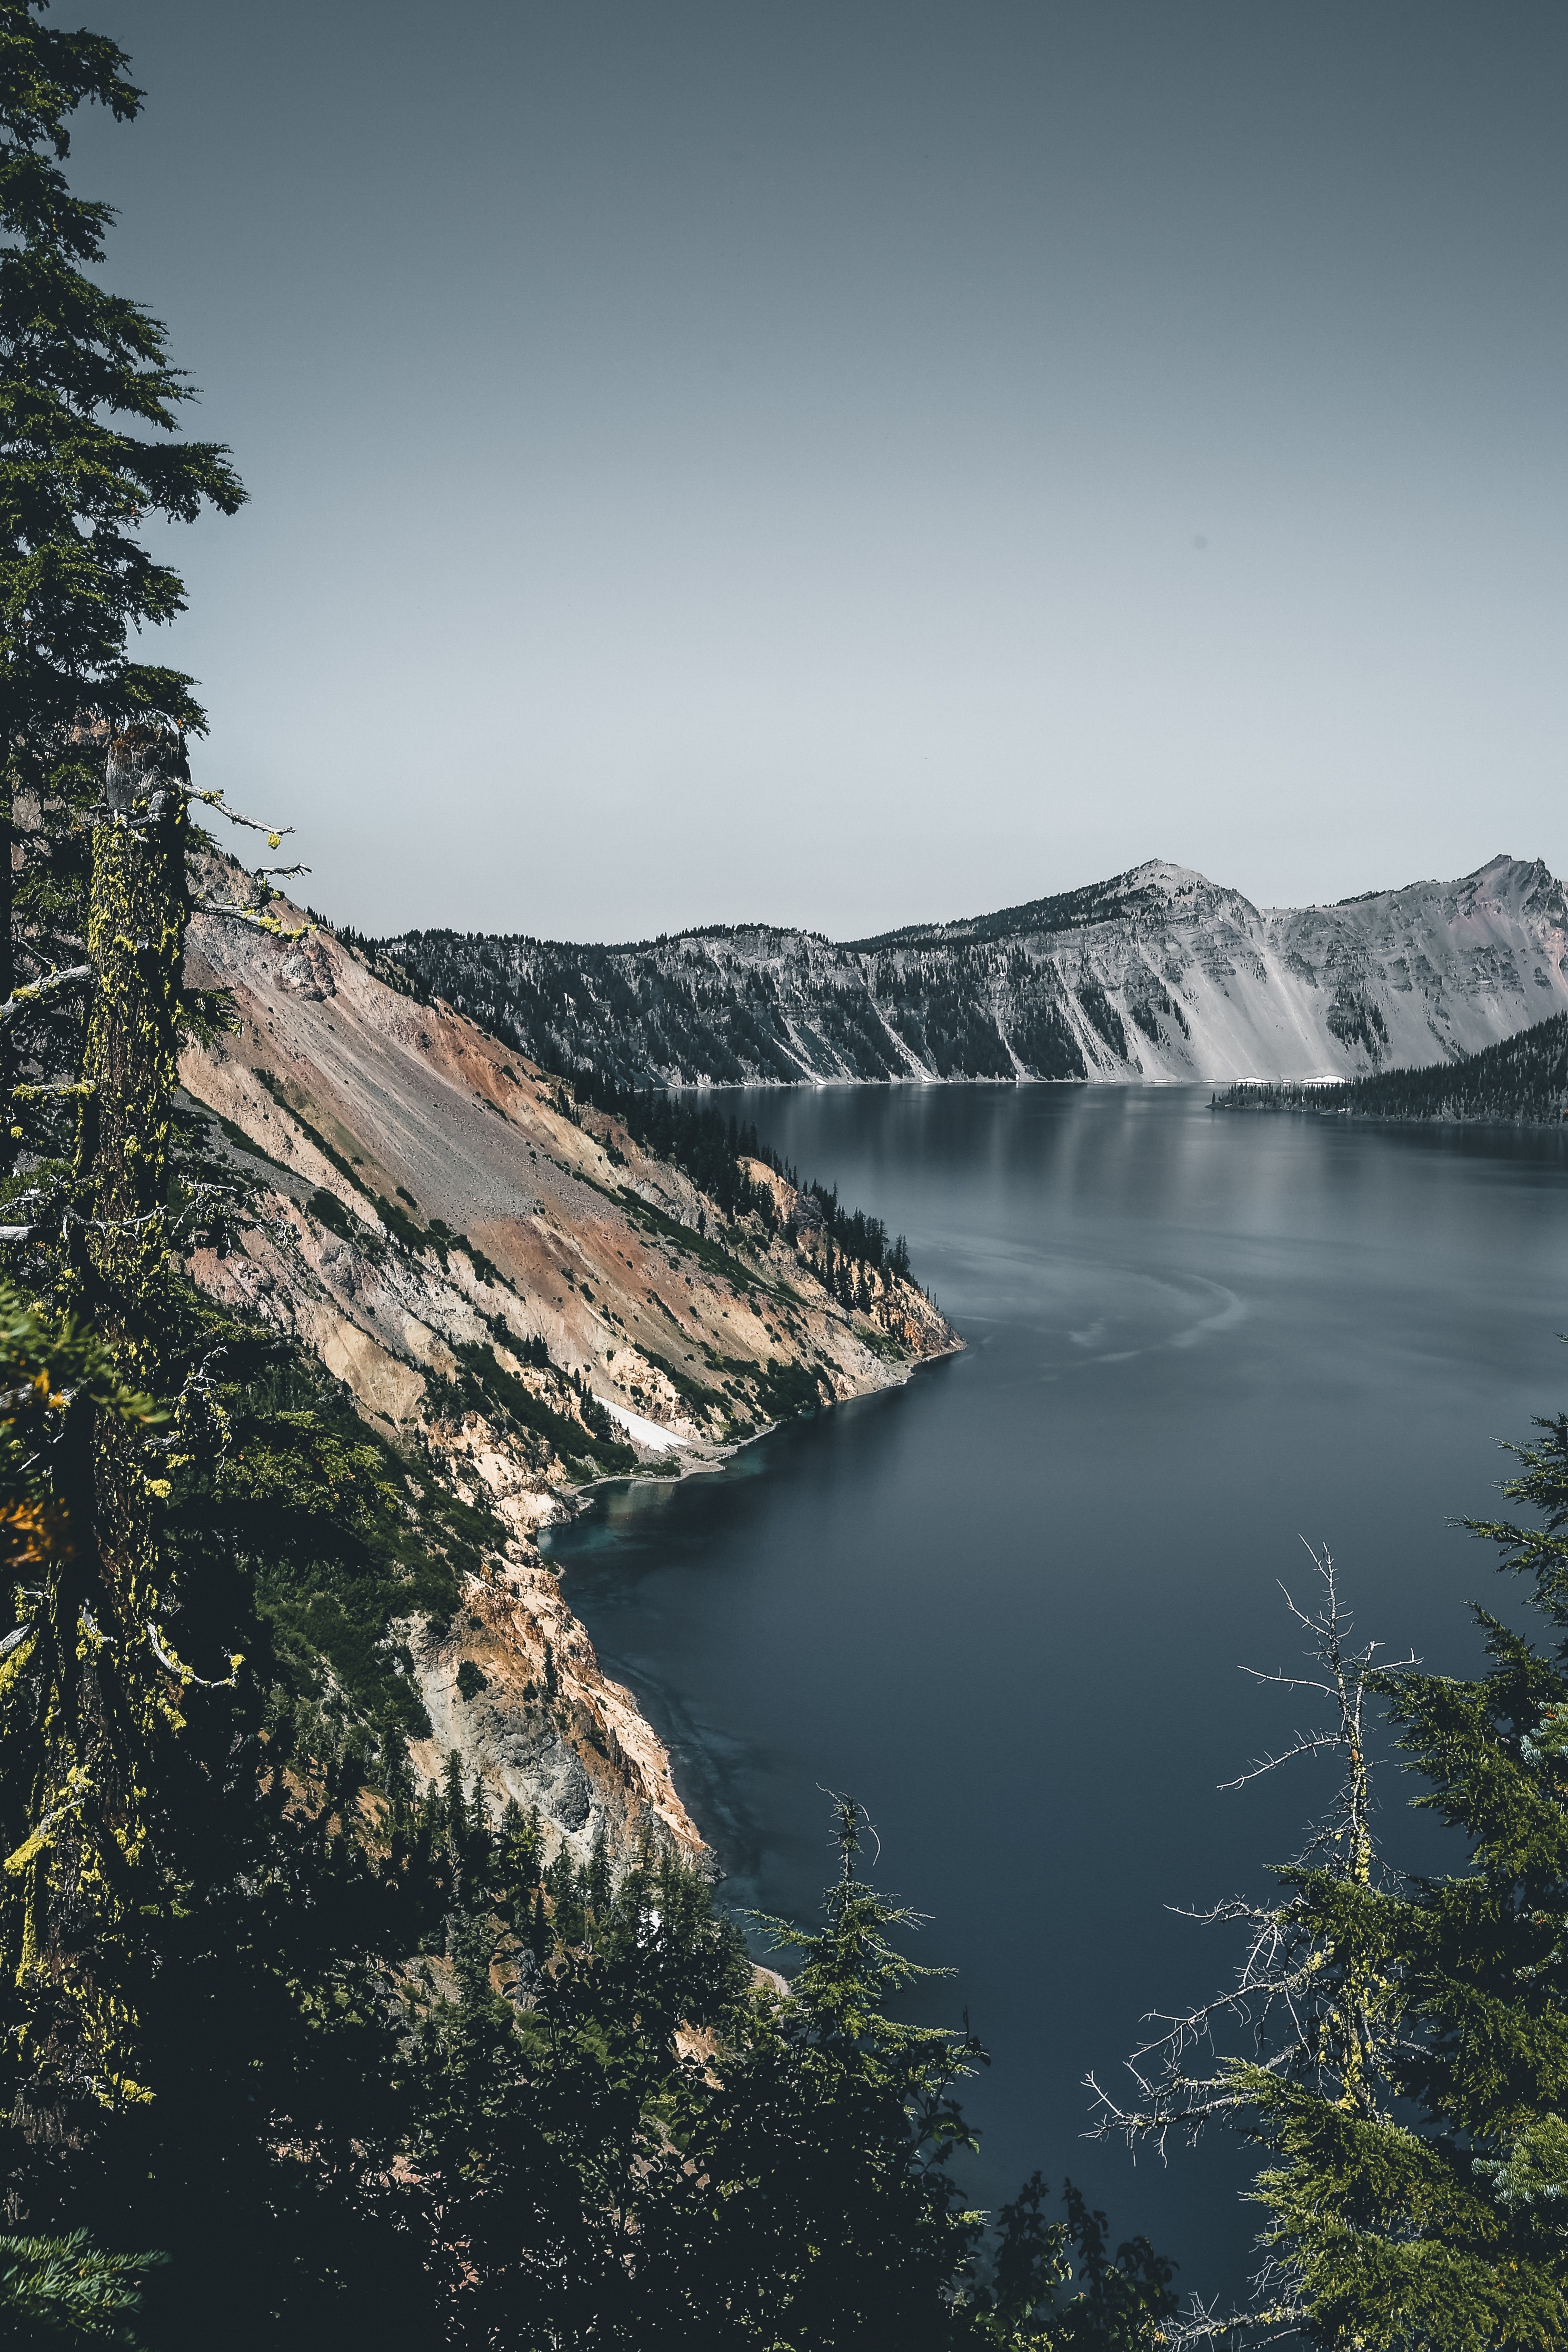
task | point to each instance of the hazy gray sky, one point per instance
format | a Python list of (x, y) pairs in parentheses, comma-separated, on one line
[(853, 463)]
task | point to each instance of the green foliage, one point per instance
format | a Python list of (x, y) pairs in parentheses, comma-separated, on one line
[(680, 1380), (697, 1137), (47, 1366), (530, 2152), (859, 1238), (1411, 2101), (78, 489), (64, 2290), (591, 1440), (75, 579), (783, 2185), (1119, 2301), (343, 1542), (786, 1390), (691, 1244), (82, 1716), (371, 2066), (1520, 1078), (833, 2134), (329, 1211)]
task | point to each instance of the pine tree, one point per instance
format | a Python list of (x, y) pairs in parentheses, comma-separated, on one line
[(63, 2290), (1409, 2074), (77, 365), (839, 2224), (1122, 2300), (517, 1858), (597, 1883), (479, 1813)]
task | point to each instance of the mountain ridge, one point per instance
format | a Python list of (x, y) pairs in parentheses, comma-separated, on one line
[(1154, 973)]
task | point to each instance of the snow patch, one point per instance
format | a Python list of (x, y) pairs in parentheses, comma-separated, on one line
[(646, 1433)]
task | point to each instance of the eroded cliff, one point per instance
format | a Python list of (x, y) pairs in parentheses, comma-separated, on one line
[(519, 1294), (1155, 974)]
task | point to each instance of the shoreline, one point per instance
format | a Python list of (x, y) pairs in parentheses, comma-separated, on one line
[(676, 1740), (702, 1460)]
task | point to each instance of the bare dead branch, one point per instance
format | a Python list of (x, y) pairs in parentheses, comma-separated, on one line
[(257, 920), (74, 976), (1287, 2018), (188, 1674), (214, 800), (1307, 1743)]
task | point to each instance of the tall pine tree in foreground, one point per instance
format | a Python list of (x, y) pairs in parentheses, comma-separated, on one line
[(88, 457), (1407, 2073)]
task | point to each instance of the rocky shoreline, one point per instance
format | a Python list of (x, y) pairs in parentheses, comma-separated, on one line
[(492, 1271)]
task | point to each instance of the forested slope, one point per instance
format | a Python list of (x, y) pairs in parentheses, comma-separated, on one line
[(301, 2048), (1521, 1081)]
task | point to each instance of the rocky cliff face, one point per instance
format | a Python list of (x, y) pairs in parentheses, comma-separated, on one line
[(519, 1294), (1157, 974)]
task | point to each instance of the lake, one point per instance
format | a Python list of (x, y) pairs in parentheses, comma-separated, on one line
[(1006, 1605)]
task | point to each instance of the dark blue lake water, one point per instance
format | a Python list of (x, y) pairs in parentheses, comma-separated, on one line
[(1006, 1605)]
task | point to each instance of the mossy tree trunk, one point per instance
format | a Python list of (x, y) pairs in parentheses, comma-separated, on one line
[(138, 911), (84, 1884), (7, 959)]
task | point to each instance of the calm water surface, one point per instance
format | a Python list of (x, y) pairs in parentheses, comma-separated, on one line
[(1006, 1605)]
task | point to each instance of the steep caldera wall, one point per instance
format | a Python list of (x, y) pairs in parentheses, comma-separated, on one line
[(511, 1288), (1157, 974)]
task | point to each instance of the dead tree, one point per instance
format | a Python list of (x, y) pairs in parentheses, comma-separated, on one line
[(1316, 2007)]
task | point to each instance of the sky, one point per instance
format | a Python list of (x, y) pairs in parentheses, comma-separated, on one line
[(854, 464)]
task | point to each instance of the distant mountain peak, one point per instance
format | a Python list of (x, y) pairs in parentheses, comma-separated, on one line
[(1156, 973), (1163, 874)]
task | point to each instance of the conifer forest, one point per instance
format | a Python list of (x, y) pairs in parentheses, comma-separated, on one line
[(299, 2050)]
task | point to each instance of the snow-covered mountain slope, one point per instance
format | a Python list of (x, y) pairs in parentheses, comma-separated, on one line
[(1155, 974)]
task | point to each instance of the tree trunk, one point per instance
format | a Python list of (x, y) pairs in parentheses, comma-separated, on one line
[(8, 960), (137, 915), (90, 1893), (138, 911)]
